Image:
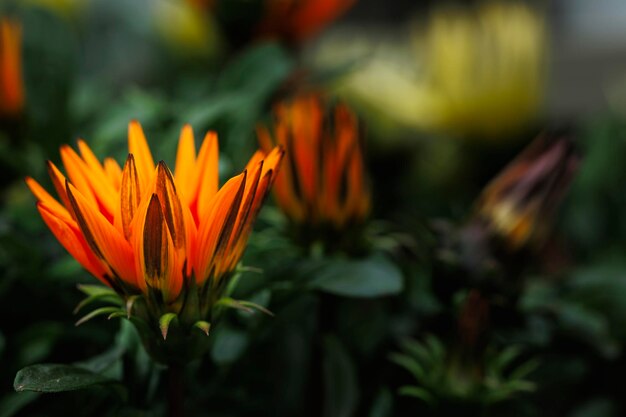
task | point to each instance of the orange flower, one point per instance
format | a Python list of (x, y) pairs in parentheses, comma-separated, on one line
[(297, 20), (322, 183), (142, 229), (518, 203), (11, 86)]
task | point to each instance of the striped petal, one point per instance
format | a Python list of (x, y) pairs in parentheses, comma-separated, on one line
[(155, 255), (103, 238), (216, 226), (171, 207), (130, 196)]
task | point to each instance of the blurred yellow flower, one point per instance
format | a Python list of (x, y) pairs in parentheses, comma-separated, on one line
[(184, 27), (11, 84), (477, 72), (485, 70)]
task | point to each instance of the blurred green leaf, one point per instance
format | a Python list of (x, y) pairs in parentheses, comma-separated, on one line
[(258, 71), (383, 404), (229, 344), (341, 392), (12, 403), (372, 277)]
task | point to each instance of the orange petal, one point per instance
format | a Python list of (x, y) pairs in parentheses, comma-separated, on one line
[(11, 83), (93, 180), (185, 164), (50, 202), (207, 174), (74, 167), (170, 205), (68, 234), (265, 139), (138, 146), (130, 196), (216, 225), (155, 253), (103, 238), (113, 171), (58, 180)]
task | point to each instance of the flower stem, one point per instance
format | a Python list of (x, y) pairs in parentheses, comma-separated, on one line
[(176, 391)]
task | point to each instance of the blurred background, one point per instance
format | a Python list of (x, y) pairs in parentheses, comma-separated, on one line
[(467, 314)]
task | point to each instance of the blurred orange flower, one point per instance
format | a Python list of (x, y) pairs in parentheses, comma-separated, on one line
[(143, 229), (323, 181), (297, 20), (11, 85), (518, 203)]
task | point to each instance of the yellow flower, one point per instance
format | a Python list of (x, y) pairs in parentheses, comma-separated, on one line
[(516, 206), (11, 84), (486, 68), (185, 28), (322, 184), (470, 72), (143, 230)]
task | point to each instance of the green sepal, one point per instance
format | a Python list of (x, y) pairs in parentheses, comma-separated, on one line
[(99, 312), (205, 326), (112, 298), (232, 303), (92, 290), (130, 302), (247, 306), (256, 306), (164, 323), (117, 314)]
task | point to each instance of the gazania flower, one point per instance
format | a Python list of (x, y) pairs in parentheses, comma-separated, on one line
[(297, 20), (11, 85), (322, 185), (173, 238), (518, 203)]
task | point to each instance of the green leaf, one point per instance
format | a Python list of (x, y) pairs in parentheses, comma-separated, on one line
[(12, 403), (340, 382), (57, 378), (229, 344), (258, 72), (103, 361), (383, 404), (371, 277), (417, 392), (409, 364)]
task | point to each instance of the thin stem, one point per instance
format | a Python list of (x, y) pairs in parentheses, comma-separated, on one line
[(176, 391)]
